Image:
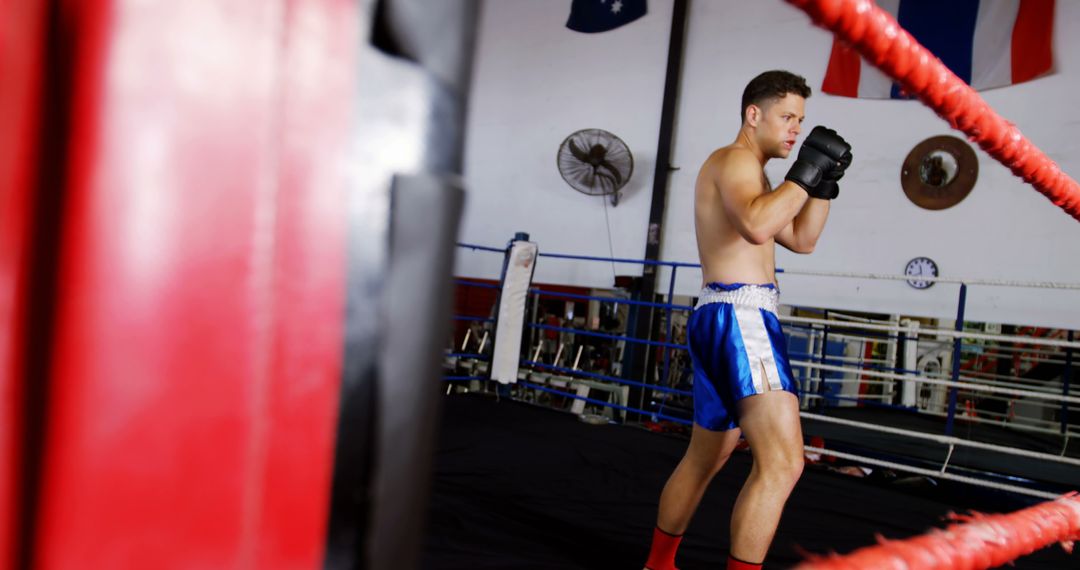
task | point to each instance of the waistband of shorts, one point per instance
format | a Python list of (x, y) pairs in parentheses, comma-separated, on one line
[(741, 295)]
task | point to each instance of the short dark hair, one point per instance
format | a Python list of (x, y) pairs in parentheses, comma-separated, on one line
[(773, 84)]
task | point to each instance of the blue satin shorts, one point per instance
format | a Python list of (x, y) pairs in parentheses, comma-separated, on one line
[(736, 346)]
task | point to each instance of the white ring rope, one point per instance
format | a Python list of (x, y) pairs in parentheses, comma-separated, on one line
[(1018, 423), (1013, 383), (992, 379), (936, 332), (946, 440), (948, 383), (994, 282), (932, 473)]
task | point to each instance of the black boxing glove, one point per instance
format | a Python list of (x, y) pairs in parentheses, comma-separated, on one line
[(822, 160), (828, 189)]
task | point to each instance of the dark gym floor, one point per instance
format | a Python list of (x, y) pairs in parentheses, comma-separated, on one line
[(522, 487)]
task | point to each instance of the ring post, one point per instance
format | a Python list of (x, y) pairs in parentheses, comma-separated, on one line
[(821, 388), (1066, 378), (956, 359), (670, 312), (502, 387)]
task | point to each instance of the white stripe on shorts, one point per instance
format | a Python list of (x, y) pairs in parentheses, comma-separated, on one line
[(759, 350)]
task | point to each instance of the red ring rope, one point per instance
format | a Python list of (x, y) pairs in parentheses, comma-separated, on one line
[(981, 541), (876, 35)]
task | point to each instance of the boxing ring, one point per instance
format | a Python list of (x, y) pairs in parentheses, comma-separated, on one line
[(899, 403), (901, 400)]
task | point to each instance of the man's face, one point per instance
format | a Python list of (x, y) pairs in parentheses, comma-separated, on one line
[(779, 124)]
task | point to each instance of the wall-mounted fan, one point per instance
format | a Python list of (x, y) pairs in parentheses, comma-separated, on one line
[(595, 162)]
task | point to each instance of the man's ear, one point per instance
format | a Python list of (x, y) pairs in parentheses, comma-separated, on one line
[(753, 115)]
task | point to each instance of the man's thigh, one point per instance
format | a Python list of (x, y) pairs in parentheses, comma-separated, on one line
[(771, 421)]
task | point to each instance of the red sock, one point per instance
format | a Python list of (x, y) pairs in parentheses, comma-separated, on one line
[(662, 554), (736, 564)]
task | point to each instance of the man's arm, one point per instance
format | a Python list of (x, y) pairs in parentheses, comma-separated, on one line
[(822, 160), (757, 215), (801, 235)]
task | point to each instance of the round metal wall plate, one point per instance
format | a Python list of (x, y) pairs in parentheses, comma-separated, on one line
[(939, 172)]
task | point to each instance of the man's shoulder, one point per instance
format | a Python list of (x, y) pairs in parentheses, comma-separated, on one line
[(732, 164), (731, 156)]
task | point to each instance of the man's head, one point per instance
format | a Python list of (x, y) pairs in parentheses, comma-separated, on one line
[(773, 107)]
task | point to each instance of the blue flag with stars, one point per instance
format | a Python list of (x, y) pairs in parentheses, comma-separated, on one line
[(592, 16)]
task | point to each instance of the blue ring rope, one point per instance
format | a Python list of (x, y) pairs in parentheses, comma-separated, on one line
[(473, 318), (608, 378), (477, 284), (545, 293), (610, 336), (481, 247), (603, 403)]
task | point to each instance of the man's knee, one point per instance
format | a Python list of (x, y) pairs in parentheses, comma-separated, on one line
[(795, 465), (783, 470), (704, 466)]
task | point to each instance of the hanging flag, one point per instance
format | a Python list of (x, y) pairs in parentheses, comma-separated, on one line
[(988, 43), (592, 16)]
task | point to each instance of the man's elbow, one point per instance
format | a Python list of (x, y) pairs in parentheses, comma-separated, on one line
[(756, 236), (807, 246)]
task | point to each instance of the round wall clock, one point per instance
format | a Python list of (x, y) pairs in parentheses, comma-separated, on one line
[(921, 267)]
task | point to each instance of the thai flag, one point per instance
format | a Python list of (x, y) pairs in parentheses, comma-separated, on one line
[(988, 43)]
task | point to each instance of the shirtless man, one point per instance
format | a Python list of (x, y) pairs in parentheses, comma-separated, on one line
[(742, 379)]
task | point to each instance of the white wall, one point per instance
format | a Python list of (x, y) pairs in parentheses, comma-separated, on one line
[(534, 83), (1003, 230)]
